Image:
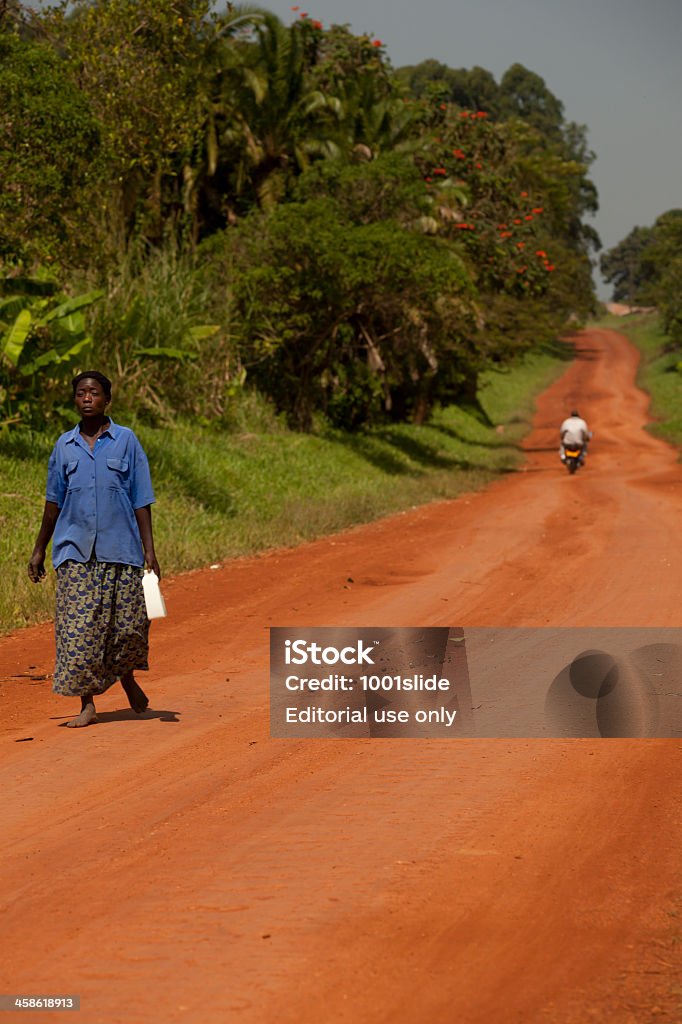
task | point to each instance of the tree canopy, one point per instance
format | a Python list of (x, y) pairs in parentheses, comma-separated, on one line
[(645, 268), (364, 242)]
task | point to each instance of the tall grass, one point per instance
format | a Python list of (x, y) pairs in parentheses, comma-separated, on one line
[(659, 372), (158, 337), (222, 494)]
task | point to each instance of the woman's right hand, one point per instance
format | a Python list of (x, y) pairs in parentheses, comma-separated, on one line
[(36, 566)]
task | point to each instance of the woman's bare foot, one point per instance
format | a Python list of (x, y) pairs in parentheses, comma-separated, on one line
[(87, 716), (137, 698)]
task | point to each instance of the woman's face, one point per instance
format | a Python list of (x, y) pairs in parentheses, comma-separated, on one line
[(90, 398)]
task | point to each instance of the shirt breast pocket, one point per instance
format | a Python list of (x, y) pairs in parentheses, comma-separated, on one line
[(70, 471), (117, 475)]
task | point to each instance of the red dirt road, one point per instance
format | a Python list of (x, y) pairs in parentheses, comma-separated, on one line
[(184, 866)]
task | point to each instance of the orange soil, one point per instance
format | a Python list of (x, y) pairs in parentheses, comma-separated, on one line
[(186, 867)]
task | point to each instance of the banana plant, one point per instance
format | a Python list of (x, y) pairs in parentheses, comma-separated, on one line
[(41, 335)]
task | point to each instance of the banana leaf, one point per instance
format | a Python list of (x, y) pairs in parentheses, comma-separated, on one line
[(13, 340), (11, 307), (58, 354), (64, 309)]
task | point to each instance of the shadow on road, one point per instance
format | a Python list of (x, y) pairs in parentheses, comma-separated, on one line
[(374, 450), (125, 715)]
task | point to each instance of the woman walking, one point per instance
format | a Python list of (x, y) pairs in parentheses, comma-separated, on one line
[(98, 506)]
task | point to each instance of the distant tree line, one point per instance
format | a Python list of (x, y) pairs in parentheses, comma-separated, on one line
[(645, 269), (206, 203)]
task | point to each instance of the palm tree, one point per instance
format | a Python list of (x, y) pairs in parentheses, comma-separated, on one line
[(265, 124), (374, 120)]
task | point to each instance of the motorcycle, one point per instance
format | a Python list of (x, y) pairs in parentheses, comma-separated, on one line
[(573, 457)]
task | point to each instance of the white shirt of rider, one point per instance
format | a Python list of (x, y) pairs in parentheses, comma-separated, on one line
[(574, 430)]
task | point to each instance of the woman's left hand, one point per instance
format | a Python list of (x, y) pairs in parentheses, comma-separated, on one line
[(150, 562)]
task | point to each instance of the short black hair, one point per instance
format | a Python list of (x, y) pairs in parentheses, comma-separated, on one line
[(574, 412), (93, 375)]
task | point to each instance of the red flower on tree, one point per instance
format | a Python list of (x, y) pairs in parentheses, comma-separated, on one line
[(377, 43)]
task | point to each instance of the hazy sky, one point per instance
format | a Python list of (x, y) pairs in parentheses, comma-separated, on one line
[(615, 65)]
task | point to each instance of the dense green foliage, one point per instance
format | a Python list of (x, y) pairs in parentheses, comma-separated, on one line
[(347, 309), (271, 206), (645, 269), (49, 140), (623, 266)]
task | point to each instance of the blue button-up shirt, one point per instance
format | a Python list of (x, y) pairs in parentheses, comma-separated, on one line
[(97, 492)]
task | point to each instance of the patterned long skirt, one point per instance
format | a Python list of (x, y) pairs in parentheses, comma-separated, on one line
[(101, 626)]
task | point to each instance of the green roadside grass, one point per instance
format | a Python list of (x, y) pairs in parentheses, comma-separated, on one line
[(223, 494), (658, 374)]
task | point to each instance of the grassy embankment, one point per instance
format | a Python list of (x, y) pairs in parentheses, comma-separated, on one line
[(220, 495), (657, 373)]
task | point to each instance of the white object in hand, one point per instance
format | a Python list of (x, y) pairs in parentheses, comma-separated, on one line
[(153, 598)]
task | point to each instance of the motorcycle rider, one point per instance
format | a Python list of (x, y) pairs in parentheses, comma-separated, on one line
[(574, 431)]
